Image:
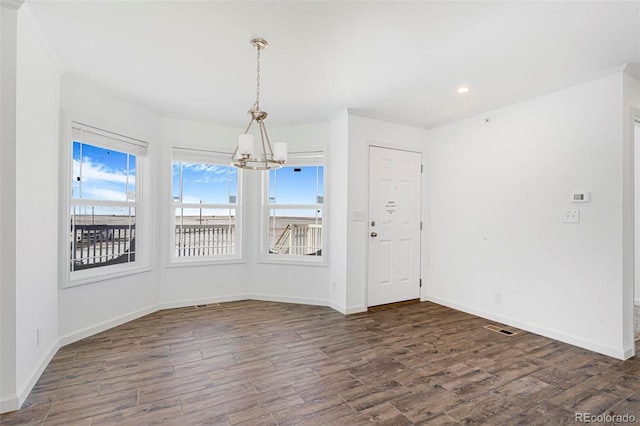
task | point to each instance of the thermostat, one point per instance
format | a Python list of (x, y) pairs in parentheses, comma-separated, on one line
[(580, 197)]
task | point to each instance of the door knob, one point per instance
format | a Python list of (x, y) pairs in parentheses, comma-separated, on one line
[(374, 234)]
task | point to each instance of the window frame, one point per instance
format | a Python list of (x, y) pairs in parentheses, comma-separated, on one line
[(203, 156), (303, 158), (139, 148)]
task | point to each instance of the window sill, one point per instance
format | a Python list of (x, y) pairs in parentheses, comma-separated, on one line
[(175, 263), (97, 277), (293, 260)]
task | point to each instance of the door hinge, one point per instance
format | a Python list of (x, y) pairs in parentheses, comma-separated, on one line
[(421, 225), (420, 282), (421, 168)]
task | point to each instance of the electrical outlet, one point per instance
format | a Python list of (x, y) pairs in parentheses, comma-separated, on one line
[(37, 336), (497, 297), (333, 286), (571, 216)]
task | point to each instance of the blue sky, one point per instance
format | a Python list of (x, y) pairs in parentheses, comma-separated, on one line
[(110, 175), (214, 184), (206, 183), (296, 185), (102, 174)]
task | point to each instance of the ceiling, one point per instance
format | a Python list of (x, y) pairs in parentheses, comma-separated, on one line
[(393, 60)]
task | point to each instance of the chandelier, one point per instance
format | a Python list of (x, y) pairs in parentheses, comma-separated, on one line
[(268, 156)]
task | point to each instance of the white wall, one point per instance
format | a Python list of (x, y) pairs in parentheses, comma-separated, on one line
[(37, 105), (86, 309), (364, 132), (190, 285), (338, 176), (8, 45), (498, 191)]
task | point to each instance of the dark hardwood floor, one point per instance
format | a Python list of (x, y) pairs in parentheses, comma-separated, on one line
[(269, 363)]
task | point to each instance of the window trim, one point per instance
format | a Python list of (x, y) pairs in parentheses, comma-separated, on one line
[(312, 157), (195, 155), (66, 277)]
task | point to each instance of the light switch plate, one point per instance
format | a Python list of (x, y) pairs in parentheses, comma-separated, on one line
[(580, 197), (358, 216)]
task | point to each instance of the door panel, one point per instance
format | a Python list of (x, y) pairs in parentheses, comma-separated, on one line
[(394, 225)]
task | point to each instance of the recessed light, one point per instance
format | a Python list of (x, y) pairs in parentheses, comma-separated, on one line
[(462, 89)]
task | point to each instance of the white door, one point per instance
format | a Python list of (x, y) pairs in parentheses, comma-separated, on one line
[(394, 225)]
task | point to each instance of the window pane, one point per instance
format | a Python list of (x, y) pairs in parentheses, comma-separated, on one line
[(175, 182), (131, 182), (296, 185), (205, 183), (205, 232), (295, 231), (102, 174), (101, 236)]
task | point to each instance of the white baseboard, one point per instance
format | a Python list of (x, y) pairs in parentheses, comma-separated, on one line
[(614, 352), (9, 403), (629, 353), (355, 309), (287, 299), (37, 372), (336, 307), (202, 301), (103, 326), (266, 298)]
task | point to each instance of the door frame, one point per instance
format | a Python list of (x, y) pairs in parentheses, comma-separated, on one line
[(635, 208), (423, 213)]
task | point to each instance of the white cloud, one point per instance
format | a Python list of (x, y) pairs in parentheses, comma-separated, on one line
[(206, 173), (106, 194), (190, 200), (99, 182), (99, 172)]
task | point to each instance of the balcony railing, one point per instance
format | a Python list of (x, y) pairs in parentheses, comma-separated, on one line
[(299, 239), (101, 245), (204, 240)]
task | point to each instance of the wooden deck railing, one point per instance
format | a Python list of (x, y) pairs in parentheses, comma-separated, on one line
[(204, 240), (101, 245), (299, 239)]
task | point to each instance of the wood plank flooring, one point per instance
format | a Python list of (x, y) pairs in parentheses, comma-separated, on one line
[(264, 363)]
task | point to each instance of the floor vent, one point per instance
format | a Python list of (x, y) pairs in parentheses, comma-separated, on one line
[(210, 305), (500, 330)]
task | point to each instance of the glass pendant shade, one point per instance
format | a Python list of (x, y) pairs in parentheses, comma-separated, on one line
[(280, 151), (245, 144)]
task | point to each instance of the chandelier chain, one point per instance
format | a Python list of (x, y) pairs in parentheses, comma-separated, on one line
[(257, 105)]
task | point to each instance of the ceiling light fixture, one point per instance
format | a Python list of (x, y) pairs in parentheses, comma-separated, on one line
[(462, 89), (268, 157)]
